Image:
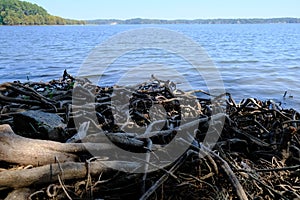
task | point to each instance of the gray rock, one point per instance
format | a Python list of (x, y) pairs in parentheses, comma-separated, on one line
[(40, 125)]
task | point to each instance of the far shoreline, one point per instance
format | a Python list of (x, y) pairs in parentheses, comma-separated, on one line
[(140, 21), (43, 25)]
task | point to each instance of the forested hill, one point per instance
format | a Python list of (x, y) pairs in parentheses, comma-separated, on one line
[(15, 12)]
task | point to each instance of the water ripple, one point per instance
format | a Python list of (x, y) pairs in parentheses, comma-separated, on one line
[(254, 60)]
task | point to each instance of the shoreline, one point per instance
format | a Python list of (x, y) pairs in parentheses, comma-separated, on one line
[(139, 21), (79, 132)]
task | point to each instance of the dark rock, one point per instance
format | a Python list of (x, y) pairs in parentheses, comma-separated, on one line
[(40, 125)]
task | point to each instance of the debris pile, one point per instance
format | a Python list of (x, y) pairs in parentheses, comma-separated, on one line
[(58, 140)]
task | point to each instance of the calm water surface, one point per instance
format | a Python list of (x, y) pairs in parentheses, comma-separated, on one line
[(261, 61)]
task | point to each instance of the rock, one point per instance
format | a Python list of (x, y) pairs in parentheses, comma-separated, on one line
[(40, 125), (19, 194)]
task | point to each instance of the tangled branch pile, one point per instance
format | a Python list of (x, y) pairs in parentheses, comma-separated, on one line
[(51, 132)]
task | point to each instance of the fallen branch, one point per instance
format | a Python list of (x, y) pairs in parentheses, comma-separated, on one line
[(160, 181), (19, 150), (68, 171)]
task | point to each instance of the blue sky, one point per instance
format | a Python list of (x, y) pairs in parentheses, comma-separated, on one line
[(170, 9)]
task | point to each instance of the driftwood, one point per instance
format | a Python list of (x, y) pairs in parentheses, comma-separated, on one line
[(50, 173), (24, 151), (257, 155)]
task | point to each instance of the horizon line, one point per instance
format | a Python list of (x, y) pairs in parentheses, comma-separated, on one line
[(265, 18)]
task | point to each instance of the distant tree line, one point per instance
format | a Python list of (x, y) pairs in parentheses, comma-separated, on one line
[(195, 21), (15, 12)]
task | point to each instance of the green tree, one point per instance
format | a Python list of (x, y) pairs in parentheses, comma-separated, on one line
[(15, 12)]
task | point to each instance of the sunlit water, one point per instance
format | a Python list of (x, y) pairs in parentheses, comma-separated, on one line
[(261, 61)]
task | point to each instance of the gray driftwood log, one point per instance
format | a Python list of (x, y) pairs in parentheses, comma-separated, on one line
[(67, 171), (20, 150)]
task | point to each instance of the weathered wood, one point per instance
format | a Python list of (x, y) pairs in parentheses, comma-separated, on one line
[(256, 156), (25, 151), (67, 171)]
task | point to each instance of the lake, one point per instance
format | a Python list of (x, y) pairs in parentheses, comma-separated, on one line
[(254, 60)]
